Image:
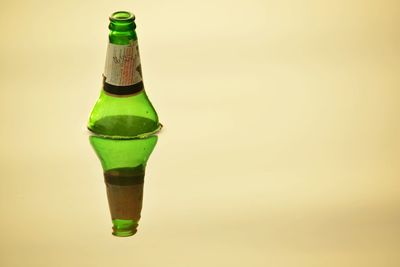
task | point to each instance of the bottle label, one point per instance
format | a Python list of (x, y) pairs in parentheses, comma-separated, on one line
[(123, 74)]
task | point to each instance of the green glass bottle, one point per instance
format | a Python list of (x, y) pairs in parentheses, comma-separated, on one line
[(123, 109), (124, 163)]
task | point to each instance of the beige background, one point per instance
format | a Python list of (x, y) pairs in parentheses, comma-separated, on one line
[(281, 141)]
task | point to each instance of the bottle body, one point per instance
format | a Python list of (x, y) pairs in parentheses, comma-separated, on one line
[(123, 117)]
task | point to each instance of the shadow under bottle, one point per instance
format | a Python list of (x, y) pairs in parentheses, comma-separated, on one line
[(124, 164)]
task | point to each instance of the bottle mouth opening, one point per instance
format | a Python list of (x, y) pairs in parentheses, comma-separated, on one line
[(122, 16)]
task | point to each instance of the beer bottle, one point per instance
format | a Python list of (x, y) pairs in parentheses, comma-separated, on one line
[(123, 109)]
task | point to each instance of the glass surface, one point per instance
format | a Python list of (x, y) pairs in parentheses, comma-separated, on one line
[(280, 148)]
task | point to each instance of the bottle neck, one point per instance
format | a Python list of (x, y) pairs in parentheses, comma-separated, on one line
[(122, 28), (122, 74)]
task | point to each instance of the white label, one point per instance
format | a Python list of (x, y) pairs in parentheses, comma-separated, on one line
[(123, 64)]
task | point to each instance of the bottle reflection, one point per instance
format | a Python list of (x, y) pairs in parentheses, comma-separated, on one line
[(124, 164)]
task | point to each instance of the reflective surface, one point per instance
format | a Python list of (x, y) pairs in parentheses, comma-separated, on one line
[(280, 147)]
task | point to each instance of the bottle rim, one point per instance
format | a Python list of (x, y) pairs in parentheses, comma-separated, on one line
[(122, 16)]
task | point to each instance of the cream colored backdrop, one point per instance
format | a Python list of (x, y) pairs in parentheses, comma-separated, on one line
[(281, 141)]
